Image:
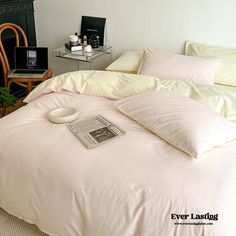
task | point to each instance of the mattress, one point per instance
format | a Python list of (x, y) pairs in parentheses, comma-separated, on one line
[(135, 185)]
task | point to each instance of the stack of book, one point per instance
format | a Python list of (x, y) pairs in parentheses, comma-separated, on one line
[(73, 48)]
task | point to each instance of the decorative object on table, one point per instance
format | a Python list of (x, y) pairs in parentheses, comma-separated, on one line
[(94, 41), (6, 99), (74, 43), (93, 25), (85, 41), (74, 39), (88, 49)]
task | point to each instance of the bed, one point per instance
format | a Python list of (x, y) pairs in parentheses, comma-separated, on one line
[(137, 185)]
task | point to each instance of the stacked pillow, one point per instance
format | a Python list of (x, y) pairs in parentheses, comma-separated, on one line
[(226, 72), (128, 62), (202, 64), (166, 65)]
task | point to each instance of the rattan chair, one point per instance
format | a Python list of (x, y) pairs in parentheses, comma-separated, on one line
[(28, 83)]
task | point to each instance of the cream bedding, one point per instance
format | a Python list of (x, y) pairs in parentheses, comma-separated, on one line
[(137, 185), (116, 85)]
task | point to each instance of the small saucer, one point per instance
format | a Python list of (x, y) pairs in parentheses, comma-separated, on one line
[(63, 115)]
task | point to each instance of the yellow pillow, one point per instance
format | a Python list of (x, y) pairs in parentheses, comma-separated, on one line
[(226, 72), (128, 62)]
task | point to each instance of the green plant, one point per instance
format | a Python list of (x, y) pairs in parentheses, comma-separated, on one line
[(6, 99)]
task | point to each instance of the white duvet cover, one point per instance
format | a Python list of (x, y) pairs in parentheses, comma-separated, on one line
[(137, 185)]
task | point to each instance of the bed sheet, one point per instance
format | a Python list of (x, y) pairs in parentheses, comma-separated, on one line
[(137, 185)]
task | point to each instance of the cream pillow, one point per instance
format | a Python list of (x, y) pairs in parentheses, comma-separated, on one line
[(166, 65), (128, 62), (226, 73), (181, 121)]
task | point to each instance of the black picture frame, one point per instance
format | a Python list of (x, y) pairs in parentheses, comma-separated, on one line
[(91, 26)]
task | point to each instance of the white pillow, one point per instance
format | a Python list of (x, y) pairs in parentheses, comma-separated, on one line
[(128, 62), (226, 72), (166, 65), (181, 121)]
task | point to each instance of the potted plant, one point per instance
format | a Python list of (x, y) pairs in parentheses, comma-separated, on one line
[(6, 99)]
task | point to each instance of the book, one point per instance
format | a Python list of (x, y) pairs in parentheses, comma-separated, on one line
[(95, 131), (73, 48)]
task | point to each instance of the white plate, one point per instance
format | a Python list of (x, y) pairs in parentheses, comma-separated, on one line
[(63, 115)]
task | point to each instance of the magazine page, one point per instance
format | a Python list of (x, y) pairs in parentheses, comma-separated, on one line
[(95, 130)]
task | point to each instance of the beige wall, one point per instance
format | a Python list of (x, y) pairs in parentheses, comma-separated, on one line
[(134, 24)]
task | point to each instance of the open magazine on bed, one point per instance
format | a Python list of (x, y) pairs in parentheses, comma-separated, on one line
[(95, 130)]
